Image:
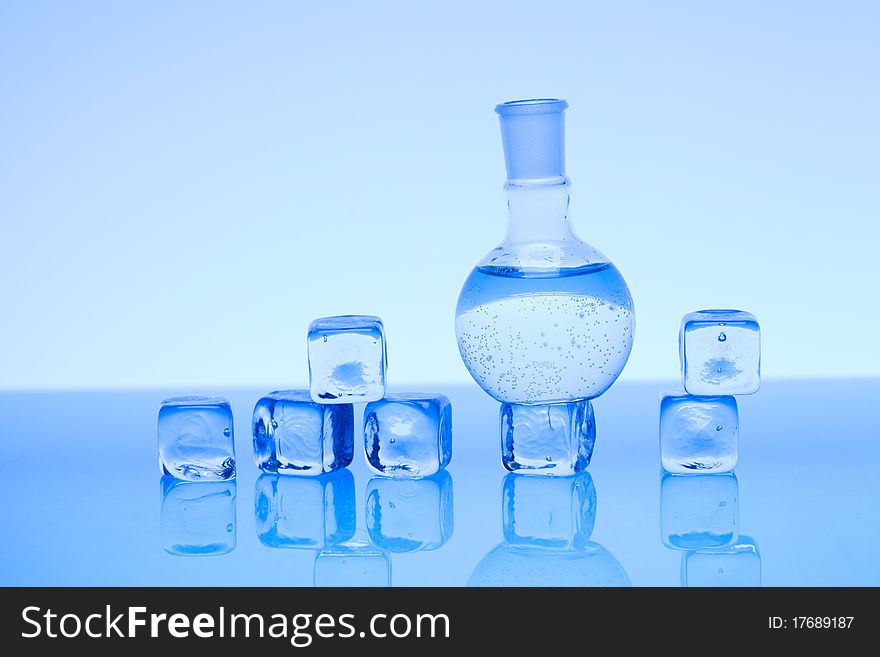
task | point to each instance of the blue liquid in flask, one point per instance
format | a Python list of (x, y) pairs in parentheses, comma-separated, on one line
[(544, 318)]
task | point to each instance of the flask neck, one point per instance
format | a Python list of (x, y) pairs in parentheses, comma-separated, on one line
[(539, 239), (538, 211)]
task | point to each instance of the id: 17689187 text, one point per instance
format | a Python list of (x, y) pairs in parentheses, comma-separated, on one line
[(810, 622)]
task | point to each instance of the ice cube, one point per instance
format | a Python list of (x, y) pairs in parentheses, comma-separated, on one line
[(551, 439), (305, 512), (197, 519), (551, 512), (347, 359), (410, 515), (699, 511), (698, 434), (408, 435), (720, 352), (294, 435), (736, 565), (196, 440)]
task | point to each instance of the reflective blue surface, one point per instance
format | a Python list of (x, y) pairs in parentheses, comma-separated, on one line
[(738, 564), (83, 502), (305, 512), (197, 519), (699, 511)]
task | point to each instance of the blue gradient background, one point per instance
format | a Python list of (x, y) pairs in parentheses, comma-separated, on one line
[(183, 186)]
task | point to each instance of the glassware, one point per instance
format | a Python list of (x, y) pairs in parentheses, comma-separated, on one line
[(543, 318)]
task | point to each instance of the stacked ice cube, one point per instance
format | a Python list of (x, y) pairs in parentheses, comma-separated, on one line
[(310, 434), (720, 353)]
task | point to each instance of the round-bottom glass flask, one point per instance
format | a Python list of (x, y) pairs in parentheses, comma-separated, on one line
[(544, 318)]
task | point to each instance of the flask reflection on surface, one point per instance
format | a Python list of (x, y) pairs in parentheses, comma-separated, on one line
[(352, 563)]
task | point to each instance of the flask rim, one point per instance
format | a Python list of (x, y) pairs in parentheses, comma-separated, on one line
[(531, 106)]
